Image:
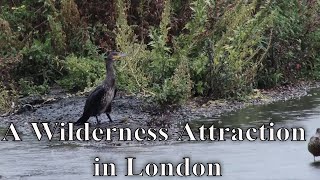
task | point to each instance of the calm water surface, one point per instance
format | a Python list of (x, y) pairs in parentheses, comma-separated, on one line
[(240, 160)]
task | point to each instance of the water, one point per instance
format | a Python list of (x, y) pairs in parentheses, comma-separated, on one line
[(240, 160)]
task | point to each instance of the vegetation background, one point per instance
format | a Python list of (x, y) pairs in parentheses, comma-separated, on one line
[(176, 49)]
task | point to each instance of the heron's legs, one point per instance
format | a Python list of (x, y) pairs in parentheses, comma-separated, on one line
[(98, 121), (109, 117)]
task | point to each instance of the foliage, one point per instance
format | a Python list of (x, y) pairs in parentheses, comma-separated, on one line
[(29, 88), (239, 51), (293, 53), (7, 98), (57, 35), (82, 73), (130, 72), (5, 37), (176, 49), (38, 63), (177, 89)]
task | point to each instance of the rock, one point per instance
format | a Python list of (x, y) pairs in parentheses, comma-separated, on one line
[(32, 100)]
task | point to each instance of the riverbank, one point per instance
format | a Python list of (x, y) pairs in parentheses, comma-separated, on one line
[(135, 112), (200, 108)]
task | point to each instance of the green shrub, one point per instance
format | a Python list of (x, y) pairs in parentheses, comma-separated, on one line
[(5, 35), (38, 63), (295, 45), (57, 36), (29, 88), (82, 73), (177, 89), (176, 49), (131, 74), (239, 51)]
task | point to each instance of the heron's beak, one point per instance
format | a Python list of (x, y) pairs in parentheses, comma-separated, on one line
[(119, 55)]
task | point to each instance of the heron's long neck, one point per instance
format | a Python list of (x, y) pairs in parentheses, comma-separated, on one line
[(110, 76)]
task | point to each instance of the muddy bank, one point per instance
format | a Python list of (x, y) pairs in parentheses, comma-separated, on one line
[(134, 112), (199, 108)]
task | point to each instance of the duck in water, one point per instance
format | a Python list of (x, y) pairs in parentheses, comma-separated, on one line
[(99, 100), (314, 144)]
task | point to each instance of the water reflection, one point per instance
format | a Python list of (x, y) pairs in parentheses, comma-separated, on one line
[(315, 164)]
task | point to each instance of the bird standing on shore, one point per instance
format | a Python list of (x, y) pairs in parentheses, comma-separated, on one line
[(99, 101), (314, 144)]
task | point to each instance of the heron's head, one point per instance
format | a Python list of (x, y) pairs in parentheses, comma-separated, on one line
[(115, 56)]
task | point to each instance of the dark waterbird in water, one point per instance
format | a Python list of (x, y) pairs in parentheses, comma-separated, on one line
[(99, 101), (314, 144)]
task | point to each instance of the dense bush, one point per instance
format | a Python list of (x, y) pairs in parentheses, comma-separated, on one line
[(82, 73), (177, 49), (295, 43), (28, 87), (38, 63)]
